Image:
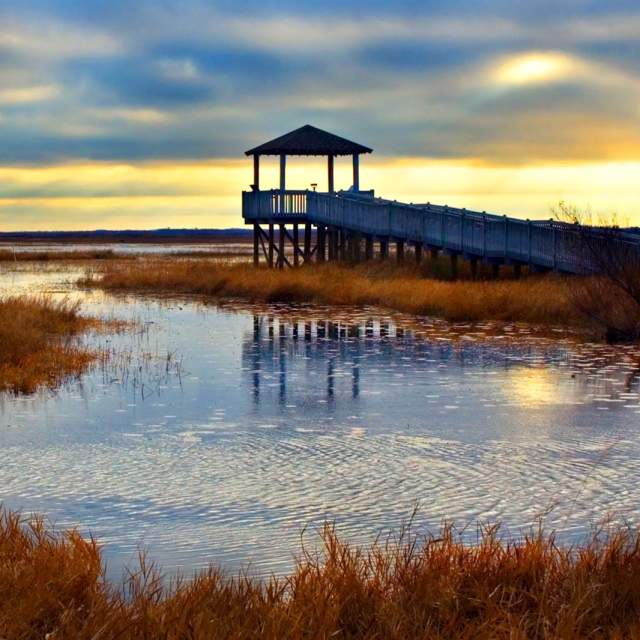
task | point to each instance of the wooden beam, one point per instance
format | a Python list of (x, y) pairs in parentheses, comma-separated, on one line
[(264, 236)]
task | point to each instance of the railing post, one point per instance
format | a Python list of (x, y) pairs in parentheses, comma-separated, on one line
[(529, 241), (462, 215)]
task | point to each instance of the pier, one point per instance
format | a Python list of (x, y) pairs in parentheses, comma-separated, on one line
[(355, 225)]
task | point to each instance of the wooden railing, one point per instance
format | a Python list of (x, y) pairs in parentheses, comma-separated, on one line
[(267, 204), (549, 244)]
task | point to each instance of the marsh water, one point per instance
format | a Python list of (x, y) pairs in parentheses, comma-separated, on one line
[(221, 433)]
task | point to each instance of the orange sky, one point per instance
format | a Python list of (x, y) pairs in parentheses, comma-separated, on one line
[(207, 194)]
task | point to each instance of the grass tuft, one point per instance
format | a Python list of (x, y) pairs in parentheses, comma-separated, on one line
[(36, 343), (52, 585)]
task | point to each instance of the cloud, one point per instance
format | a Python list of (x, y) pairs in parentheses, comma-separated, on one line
[(21, 95), (192, 79)]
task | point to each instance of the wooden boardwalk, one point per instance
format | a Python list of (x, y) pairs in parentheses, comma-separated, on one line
[(293, 226), (352, 226)]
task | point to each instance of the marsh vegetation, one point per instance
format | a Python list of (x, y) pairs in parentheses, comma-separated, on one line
[(540, 300), (52, 585), (37, 343)]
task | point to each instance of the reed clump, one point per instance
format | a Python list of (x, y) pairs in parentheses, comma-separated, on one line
[(539, 300), (37, 346), (53, 585)]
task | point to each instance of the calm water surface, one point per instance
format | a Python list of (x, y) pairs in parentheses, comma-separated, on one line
[(219, 433)]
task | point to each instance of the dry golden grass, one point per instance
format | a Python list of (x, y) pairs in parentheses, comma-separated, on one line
[(36, 345), (540, 300), (52, 586)]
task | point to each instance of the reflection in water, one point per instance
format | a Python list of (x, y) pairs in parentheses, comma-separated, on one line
[(339, 347), (278, 418)]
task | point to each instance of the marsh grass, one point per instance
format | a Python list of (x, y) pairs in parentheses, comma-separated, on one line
[(52, 585), (37, 346), (7, 255), (539, 300)]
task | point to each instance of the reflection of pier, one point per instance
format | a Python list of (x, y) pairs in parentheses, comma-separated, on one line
[(338, 345), (318, 365)]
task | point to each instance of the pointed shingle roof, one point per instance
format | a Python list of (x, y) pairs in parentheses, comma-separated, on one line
[(308, 141)]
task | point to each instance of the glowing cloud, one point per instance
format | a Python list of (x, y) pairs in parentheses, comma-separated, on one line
[(535, 67)]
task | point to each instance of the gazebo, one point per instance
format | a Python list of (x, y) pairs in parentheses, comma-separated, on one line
[(308, 141), (288, 208)]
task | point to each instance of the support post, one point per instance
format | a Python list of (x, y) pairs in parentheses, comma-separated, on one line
[(256, 244), (270, 260), (330, 173), (343, 244), (433, 254), (281, 238), (356, 172), (355, 241), (296, 246), (400, 251), (473, 264), (256, 172), (384, 248), (418, 252), (322, 232), (454, 266), (307, 242), (368, 247)]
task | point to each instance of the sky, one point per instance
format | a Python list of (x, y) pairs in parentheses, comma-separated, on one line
[(136, 114)]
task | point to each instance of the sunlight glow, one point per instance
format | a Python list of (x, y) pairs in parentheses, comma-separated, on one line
[(534, 67)]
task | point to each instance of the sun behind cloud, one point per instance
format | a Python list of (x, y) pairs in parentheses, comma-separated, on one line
[(529, 68)]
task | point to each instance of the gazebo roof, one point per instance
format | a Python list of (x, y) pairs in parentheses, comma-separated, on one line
[(308, 141)]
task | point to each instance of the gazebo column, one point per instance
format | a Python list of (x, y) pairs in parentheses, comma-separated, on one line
[(356, 172), (256, 172), (283, 180), (330, 173)]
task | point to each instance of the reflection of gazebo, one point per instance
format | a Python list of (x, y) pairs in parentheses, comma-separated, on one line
[(290, 207), (308, 141)]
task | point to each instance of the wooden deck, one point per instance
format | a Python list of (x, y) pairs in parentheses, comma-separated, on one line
[(344, 218)]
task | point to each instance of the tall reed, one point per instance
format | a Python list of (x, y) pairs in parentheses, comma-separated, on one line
[(36, 343), (52, 585)]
